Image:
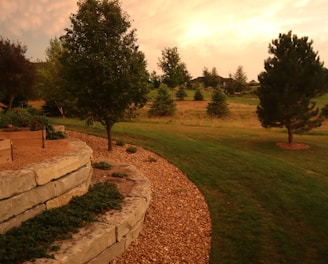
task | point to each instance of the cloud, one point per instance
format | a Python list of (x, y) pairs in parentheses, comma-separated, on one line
[(208, 33)]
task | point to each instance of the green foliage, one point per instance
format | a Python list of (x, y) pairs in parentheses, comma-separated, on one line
[(131, 150), (198, 95), (102, 165), (324, 111), (103, 66), (17, 73), (163, 104), (116, 174), (51, 84), (292, 78), (181, 93), (22, 118), (175, 71), (218, 106), (36, 235), (210, 79), (120, 143)]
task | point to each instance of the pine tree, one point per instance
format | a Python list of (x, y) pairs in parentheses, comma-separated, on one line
[(218, 106), (163, 104)]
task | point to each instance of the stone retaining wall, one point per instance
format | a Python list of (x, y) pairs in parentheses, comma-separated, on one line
[(102, 241), (29, 191)]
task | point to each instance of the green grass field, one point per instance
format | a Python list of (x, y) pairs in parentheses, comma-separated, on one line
[(267, 204)]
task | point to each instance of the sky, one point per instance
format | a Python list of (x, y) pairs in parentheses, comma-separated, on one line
[(223, 34)]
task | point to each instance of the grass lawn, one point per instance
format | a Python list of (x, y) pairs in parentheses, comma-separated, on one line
[(267, 204)]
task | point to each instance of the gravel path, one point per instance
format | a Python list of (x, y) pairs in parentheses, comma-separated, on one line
[(177, 227)]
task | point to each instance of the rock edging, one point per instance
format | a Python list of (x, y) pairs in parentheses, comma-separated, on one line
[(102, 241), (37, 187)]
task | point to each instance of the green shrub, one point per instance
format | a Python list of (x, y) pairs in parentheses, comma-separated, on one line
[(35, 236), (218, 106), (102, 165), (120, 143), (181, 93), (198, 95), (19, 117), (131, 150), (119, 175), (163, 104), (324, 111)]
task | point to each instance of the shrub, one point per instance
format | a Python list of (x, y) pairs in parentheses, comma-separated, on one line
[(120, 143), (119, 175), (19, 117), (324, 111), (181, 93), (102, 165), (198, 95), (131, 150), (34, 237), (163, 104), (218, 106)]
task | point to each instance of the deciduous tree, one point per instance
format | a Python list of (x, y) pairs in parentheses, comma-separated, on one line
[(102, 63), (293, 76), (17, 73), (174, 70)]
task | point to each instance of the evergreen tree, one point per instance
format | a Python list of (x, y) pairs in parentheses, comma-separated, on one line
[(198, 95), (181, 93), (218, 106), (163, 104), (292, 78)]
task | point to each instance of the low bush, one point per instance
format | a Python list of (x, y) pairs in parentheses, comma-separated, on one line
[(102, 165), (131, 150), (119, 175), (35, 236)]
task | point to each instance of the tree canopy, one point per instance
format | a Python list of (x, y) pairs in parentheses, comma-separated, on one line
[(293, 76), (102, 63), (17, 73), (211, 78), (174, 70)]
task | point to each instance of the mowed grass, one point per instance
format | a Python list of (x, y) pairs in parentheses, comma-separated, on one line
[(267, 204)]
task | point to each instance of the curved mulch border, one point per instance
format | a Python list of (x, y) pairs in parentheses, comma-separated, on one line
[(177, 227)]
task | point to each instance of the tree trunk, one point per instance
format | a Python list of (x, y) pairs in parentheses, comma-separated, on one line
[(10, 103), (109, 136), (290, 135)]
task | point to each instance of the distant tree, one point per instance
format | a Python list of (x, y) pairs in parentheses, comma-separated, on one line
[(181, 93), (240, 78), (210, 79), (17, 73), (174, 71), (50, 80), (198, 96), (292, 78), (103, 66), (218, 105), (155, 80), (163, 104), (324, 111)]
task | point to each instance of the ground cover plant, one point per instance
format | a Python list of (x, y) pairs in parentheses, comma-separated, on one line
[(34, 238), (267, 204)]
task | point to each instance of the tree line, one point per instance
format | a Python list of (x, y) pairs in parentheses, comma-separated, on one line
[(96, 71)]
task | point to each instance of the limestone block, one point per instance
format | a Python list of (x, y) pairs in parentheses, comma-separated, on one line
[(24, 201), (71, 180), (92, 240), (134, 233), (16, 221), (47, 171), (66, 197), (13, 182), (142, 190), (110, 253)]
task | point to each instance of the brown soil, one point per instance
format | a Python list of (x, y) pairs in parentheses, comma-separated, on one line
[(294, 146)]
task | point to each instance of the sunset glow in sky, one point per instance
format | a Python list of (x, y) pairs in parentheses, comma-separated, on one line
[(208, 33)]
